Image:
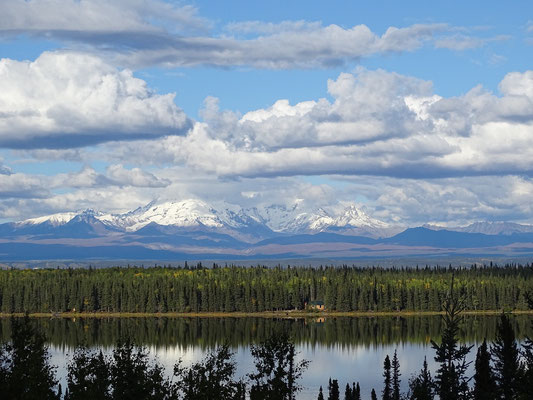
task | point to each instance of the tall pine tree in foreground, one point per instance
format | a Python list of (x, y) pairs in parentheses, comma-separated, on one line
[(26, 373), (484, 384), (451, 382), (421, 386), (395, 377), (506, 360), (320, 394), (333, 390), (387, 385)]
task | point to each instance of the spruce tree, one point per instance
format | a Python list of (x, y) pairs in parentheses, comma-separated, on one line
[(320, 394), (373, 395), (526, 387), (333, 390), (88, 376), (395, 377), (484, 384), (348, 392), (387, 388), (27, 373), (451, 382), (356, 392), (421, 386), (505, 355)]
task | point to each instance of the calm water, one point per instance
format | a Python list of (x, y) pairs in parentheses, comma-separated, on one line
[(347, 349)]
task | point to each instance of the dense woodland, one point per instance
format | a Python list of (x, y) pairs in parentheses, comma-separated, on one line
[(259, 289)]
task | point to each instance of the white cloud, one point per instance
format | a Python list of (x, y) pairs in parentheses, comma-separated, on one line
[(460, 42), (134, 177), (378, 123), (85, 17), (65, 99), (261, 27), (16, 185), (314, 46)]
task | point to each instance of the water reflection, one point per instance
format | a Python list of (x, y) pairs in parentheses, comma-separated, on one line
[(349, 349)]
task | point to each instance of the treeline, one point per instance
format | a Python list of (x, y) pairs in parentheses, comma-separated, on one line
[(257, 289)]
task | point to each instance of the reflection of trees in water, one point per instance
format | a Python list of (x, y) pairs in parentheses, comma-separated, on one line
[(208, 332)]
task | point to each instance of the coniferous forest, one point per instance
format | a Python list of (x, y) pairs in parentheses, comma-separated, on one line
[(260, 289)]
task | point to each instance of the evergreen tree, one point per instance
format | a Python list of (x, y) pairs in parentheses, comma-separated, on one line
[(277, 372), (373, 395), (484, 384), (421, 386), (450, 381), (526, 387), (320, 394), (356, 392), (333, 390), (25, 365), (348, 392), (134, 377), (211, 378), (387, 384), (88, 376), (505, 355), (395, 377)]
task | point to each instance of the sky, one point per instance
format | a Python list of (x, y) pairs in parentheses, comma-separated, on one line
[(417, 112)]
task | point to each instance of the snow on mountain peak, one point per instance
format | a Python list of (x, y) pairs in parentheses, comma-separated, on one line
[(53, 219), (194, 213)]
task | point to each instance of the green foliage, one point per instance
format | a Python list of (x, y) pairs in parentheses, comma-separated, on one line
[(333, 390), (88, 376), (277, 371), (387, 386), (506, 355), (484, 383), (257, 289), (450, 380), (211, 378), (25, 371), (421, 386)]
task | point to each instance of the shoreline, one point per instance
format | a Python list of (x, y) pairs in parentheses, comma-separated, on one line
[(288, 314)]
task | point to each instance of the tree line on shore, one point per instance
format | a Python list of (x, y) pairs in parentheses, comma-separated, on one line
[(259, 289)]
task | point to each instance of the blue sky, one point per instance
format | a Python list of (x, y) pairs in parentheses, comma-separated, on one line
[(416, 111)]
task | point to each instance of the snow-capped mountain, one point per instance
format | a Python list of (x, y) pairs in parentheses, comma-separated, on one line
[(193, 229), (54, 219), (348, 220), (197, 214), (488, 228)]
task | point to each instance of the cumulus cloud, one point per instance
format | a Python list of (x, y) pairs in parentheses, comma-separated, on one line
[(377, 123), (116, 175), (66, 100), (450, 201), (16, 185), (134, 177)]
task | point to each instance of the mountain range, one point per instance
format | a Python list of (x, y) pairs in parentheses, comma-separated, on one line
[(194, 229)]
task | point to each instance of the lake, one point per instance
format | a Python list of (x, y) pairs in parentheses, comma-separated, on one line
[(347, 349)]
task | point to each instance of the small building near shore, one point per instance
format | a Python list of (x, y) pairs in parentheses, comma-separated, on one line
[(317, 305)]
